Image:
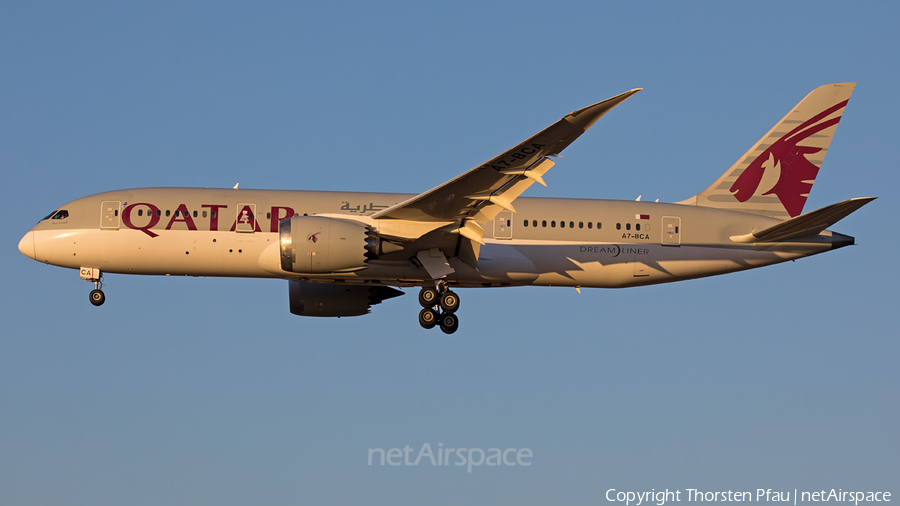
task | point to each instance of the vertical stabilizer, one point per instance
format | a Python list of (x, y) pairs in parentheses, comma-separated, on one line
[(775, 176)]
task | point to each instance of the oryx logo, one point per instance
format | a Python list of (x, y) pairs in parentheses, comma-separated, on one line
[(313, 238), (783, 169)]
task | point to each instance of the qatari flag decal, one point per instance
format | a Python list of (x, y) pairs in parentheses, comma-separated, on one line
[(642, 216)]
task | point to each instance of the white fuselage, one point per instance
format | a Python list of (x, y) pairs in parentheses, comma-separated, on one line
[(559, 242)]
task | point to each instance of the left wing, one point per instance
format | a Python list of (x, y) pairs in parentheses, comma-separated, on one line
[(478, 195)]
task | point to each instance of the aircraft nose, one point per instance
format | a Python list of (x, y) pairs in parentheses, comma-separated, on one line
[(26, 245)]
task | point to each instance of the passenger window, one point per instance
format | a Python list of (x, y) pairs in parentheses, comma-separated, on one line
[(158, 213), (168, 213), (140, 212), (214, 214), (637, 226), (526, 223), (204, 213), (534, 223), (618, 226), (571, 224), (268, 216), (552, 224), (562, 224), (195, 214), (598, 225), (544, 223), (590, 225), (580, 224), (628, 226)]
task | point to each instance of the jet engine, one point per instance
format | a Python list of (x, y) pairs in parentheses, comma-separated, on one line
[(320, 245), (313, 299)]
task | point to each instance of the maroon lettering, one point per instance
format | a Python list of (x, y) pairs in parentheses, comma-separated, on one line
[(187, 220), (154, 218), (277, 217), (213, 215), (246, 217)]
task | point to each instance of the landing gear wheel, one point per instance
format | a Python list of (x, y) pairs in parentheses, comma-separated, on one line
[(97, 297), (449, 323), (428, 297), (449, 302), (428, 318)]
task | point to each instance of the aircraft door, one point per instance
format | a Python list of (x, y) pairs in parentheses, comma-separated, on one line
[(109, 214), (245, 221), (503, 225), (671, 231)]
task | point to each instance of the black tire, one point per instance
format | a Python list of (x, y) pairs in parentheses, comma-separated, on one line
[(97, 297), (449, 323), (428, 297), (449, 301), (428, 318)]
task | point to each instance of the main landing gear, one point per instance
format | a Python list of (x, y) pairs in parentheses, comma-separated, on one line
[(446, 300)]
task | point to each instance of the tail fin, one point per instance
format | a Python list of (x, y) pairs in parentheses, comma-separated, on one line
[(776, 175)]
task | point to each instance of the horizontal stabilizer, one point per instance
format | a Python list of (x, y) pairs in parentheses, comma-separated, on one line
[(811, 223)]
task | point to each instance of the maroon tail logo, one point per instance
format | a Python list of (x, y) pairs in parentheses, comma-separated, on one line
[(785, 163), (314, 238)]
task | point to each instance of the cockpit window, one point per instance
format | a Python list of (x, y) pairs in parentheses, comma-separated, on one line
[(59, 214)]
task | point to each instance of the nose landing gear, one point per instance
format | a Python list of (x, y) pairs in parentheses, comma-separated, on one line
[(446, 300), (97, 297)]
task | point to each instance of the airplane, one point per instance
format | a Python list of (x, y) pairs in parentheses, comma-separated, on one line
[(344, 252)]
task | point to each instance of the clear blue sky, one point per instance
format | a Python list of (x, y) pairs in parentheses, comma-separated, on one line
[(208, 391)]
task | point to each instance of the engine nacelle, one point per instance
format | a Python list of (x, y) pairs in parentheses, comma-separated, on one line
[(313, 299), (319, 245)]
